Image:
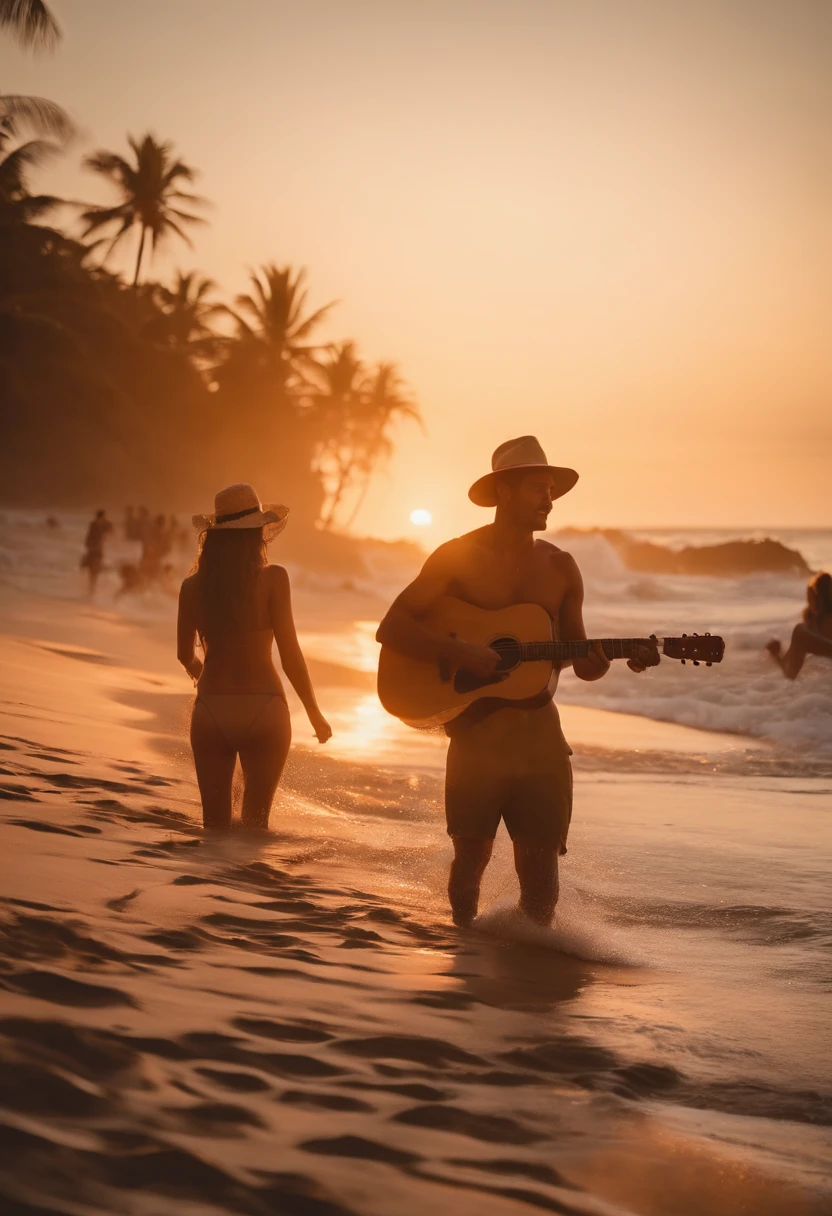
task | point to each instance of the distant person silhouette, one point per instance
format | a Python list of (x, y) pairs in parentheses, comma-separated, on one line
[(237, 605), (812, 635), (156, 545), (93, 556)]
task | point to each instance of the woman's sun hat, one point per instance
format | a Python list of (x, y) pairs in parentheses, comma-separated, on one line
[(237, 507), (522, 453)]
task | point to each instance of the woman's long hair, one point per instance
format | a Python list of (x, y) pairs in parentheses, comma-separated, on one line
[(228, 566), (819, 596)]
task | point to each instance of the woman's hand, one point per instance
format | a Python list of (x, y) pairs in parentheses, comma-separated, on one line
[(321, 727)]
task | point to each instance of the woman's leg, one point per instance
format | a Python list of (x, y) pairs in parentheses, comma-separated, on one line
[(263, 754), (214, 759)]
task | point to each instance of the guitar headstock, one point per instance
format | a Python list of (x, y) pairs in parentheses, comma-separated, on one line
[(704, 648)]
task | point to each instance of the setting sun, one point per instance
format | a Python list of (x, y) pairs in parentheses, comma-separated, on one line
[(421, 517)]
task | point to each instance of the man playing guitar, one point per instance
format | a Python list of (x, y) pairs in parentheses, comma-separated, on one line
[(506, 760)]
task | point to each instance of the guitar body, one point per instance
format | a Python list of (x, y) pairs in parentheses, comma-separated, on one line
[(428, 693)]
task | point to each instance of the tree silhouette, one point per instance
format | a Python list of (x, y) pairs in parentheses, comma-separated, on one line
[(184, 313), (273, 327), (386, 399), (151, 195), (337, 421)]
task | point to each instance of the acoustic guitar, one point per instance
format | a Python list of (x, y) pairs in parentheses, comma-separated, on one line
[(426, 693)]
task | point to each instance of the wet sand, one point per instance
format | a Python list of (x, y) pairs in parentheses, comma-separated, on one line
[(291, 1025)]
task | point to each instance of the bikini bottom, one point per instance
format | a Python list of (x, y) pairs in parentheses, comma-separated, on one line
[(245, 718)]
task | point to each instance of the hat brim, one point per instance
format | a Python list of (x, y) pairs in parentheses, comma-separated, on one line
[(483, 493), (273, 516)]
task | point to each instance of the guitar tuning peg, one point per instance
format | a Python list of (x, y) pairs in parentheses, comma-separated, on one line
[(683, 662), (696, 662), (709, 664)]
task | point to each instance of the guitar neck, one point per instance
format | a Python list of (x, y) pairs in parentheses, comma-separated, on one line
[(561, 652)]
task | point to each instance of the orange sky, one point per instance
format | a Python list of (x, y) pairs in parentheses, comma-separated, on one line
[(607, 222)]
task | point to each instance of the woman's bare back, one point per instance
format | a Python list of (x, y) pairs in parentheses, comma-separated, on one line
[(241, 661)]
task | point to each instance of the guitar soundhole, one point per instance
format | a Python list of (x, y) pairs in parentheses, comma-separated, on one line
[(509, 652)]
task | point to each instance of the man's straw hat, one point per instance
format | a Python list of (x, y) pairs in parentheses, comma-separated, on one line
[(522, 453), (238, 506)]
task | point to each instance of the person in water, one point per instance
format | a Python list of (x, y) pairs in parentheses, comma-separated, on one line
[(93, 557), (506, 760), (811, 635), (236, 604)]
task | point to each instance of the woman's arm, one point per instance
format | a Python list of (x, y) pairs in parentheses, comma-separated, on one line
[(186, 630), (291, 656)]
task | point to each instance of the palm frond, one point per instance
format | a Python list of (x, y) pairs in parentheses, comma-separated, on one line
[(311, 322), (108, 164), (97, 218), (38, 114), (26, 156), (31, 23)]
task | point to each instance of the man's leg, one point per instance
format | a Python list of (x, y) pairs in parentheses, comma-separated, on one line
[(471, 856), (537, 869)]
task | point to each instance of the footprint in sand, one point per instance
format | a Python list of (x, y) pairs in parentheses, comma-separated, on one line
[(119, 905), (61, 990), (284, 1032), (37, 825), (32, 1088), (51, 759), (434, 1053), (17, 793), (176, 939), (357, 1146), (522, 1169), (494, 1129), (323, 1101), (239, 1082), (215, 1118), (419, 1093)]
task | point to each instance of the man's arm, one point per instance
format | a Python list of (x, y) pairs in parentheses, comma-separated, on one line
[(571, 623), (403, 630), (596, 664)]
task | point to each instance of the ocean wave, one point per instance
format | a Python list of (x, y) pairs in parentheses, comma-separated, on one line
[(742, 699)]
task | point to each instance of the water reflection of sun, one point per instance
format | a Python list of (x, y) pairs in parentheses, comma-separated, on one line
[(365, 727)]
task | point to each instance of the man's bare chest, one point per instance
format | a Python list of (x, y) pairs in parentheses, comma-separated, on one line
[(497, 582)]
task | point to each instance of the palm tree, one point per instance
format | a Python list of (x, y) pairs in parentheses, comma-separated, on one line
[(336, 418), (150, 195), (272, 321), (30, 21), (386, 399), (186, 313)]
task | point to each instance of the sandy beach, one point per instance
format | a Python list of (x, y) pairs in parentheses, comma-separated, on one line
[(292, 1025)]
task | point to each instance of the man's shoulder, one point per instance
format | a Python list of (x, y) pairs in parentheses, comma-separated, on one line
[(456, 549), (559, 558)]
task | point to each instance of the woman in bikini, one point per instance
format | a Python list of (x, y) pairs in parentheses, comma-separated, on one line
[(235, 604), (812, 635)]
